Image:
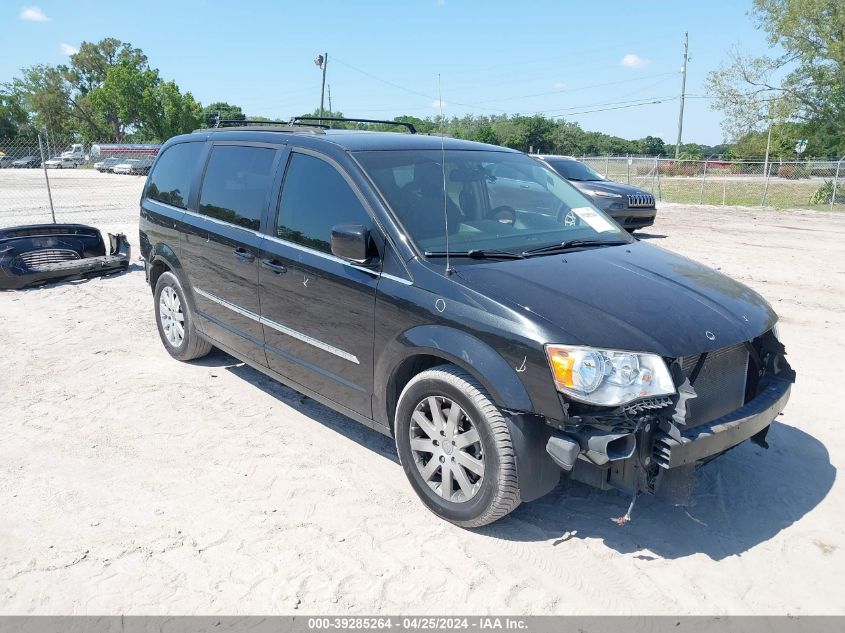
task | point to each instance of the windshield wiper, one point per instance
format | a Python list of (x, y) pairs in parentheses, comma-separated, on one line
[(477, 254), (569, 245)]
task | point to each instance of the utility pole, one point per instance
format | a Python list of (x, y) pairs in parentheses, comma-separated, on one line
[(683, 92), (322, 61), (330, 101), (768, 146)]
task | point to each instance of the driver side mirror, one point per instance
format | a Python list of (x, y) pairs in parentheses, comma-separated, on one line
[(352, 243)]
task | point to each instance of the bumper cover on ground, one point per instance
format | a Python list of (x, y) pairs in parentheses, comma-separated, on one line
[(36, 254)]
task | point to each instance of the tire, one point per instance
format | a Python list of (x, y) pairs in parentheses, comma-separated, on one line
[(180, 338), (472, 499)]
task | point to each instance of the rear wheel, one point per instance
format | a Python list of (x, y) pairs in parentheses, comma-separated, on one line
[(175, 320), (455, 447)]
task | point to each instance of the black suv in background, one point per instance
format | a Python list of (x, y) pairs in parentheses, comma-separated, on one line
[(631, 207), (501, 344)]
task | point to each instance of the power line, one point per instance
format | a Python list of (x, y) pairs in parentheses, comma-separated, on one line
[(384, 81), (622, 107), (565, 90), (604, 103), (544, 59), (568, 110), (547, 111), (554, 72), (480, 105)]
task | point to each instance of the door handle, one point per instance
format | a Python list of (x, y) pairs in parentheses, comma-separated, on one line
[(244, 255), (275, 266)]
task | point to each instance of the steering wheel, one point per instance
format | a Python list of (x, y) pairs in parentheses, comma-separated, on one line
[(567, 217), (503, 213)]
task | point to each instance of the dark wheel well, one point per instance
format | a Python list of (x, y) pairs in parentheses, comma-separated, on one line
[(156, 270), (409, 368)]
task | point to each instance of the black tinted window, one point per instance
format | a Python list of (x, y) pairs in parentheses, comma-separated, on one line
[(170, 182), (574, 170), (315, 197), (236, 184)]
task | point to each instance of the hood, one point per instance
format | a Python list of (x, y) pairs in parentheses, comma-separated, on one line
[(608, 186), (637, 297)]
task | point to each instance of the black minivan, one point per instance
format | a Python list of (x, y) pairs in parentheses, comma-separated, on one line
[(503, 343)]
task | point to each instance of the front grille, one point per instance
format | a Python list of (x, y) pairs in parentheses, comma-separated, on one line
[(640, 200), (719, 386), (35, 260)]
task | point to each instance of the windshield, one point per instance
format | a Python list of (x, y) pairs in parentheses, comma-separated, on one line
[(573, 170), (495, 201)]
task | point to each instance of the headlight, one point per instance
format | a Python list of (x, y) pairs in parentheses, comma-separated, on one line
[(603, 194), (608, 377)]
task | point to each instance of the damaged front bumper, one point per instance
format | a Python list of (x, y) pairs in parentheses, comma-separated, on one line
[(37, 254), (752, 420), (723, 398)]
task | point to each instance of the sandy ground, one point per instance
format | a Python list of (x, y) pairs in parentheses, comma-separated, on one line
[(132, 483)]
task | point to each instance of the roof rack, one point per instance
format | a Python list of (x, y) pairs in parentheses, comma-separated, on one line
[(259, 122), (410, 126), (266, 126)]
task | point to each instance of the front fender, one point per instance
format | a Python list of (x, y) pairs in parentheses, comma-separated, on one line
[(453, 346)]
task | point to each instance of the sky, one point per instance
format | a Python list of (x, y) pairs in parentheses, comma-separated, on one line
[(595, 62)]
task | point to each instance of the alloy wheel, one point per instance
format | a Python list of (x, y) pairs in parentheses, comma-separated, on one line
[(171, 316), (447, 449)]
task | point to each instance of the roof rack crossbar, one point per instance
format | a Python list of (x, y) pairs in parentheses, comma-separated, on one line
[(405, 124), (247, 122)]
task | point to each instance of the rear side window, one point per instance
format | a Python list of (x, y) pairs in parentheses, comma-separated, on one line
[(170, 181), (315, 197), (236, 184)]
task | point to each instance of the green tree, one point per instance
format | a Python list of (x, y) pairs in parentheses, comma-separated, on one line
[(806, 84), (108, 91), (226, 111), (529, 133), (13, 116), (168, 112), (486, 134), (752, 145), (651, 146), (690, 151), (45, 93), (122, 99)]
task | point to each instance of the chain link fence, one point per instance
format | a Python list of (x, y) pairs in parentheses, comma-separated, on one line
[(783, 185), (45, 179)]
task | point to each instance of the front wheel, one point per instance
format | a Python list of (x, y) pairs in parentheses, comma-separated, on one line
[(455, 447)]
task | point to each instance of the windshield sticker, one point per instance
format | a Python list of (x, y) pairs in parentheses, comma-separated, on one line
[(592, 218)]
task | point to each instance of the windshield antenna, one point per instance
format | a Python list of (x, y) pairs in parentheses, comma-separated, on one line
[(449, 269)]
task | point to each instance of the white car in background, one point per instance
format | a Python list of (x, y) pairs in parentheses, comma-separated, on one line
[(61, 162), (137, 166), (123, 168)]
